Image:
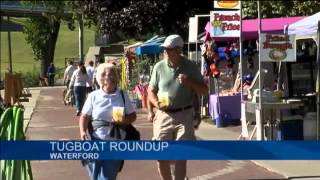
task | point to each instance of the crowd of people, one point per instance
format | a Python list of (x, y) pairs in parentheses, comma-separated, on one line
[(174, 116)]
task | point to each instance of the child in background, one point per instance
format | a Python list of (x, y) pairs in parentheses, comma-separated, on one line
[(141, 90)]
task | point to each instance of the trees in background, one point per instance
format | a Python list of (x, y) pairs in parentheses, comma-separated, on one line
[(280, 8), (42, 31), (140, 17), (137, 18)]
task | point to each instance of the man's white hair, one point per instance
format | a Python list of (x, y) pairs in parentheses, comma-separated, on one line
[(102, 68)]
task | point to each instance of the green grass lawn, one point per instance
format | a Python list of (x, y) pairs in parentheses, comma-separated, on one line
[(22, 54)]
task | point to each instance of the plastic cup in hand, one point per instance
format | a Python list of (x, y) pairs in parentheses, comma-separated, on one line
[(164, 99), (117, 113)]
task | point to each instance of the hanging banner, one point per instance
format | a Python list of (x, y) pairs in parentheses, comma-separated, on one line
[(277, 47), (193, 27), (225, 23), (229, 4)]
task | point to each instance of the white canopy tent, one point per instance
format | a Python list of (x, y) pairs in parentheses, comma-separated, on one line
[(305, 28), (309, 27)]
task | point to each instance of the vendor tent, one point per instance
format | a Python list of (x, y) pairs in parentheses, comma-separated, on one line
[(269, 25), (151, 49), (309, 27), (305, 28)]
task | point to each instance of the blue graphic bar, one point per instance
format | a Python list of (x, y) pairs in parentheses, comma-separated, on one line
[(160, 150)]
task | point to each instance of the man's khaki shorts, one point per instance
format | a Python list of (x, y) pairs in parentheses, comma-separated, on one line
[(173, 126)]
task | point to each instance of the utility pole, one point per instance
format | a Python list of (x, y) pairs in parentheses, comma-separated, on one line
[(81, 38)]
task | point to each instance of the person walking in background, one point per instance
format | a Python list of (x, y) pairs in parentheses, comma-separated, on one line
[(95, 83), (51, 73), (68, 73), (90, 71), (98, 111), (78, 83), (141, 90), (173, 82), (67, 94)]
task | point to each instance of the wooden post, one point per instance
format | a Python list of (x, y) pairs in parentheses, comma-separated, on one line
[(9, 48), (16, 89), (8, 89)]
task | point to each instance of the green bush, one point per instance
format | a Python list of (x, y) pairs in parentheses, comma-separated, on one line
[(31, 79)]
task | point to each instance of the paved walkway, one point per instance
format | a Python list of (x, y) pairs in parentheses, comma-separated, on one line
[(52, 120), (308, 170)]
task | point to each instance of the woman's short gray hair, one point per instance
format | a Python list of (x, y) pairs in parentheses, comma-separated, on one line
[(102, 68)]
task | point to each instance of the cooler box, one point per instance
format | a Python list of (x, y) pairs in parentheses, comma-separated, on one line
[(290, 129)]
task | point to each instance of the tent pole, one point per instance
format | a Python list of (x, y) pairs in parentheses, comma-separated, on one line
[(318, 82), (0, 58), (241, 57), (197, 51), (189, 50), (259, 124)]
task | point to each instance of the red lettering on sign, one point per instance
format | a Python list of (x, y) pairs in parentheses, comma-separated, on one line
[(221, 17)]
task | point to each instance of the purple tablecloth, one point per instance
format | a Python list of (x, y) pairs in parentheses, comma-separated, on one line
[(228, 104)]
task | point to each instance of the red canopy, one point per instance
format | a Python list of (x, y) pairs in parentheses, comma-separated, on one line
[(269, 25)]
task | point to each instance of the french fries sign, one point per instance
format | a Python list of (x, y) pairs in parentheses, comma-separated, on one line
[(225, 23)]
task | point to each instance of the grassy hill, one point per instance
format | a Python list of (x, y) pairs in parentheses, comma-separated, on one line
[(22, 54)]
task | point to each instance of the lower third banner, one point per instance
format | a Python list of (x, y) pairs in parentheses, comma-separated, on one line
[(160, 150)]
